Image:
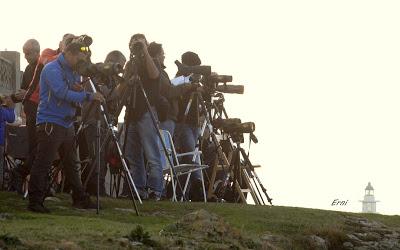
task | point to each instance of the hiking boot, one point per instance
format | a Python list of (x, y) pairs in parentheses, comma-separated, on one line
[(38, 208), (84, 203)]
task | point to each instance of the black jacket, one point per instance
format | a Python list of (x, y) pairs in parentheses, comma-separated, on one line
[(150, 86), (173, 94)]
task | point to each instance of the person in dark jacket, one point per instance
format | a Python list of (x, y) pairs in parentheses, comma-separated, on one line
[(187, 130), (29, 95), (170, 94)]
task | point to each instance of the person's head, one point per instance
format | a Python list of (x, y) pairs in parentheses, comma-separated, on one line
[(136, 40), (75, 52), (156, 51), (115, 56), (31, 51), (66, 39), (190, 58), (137, 37)]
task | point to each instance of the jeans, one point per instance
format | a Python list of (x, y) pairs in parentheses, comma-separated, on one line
[(186, 137), (51, 139), (142, 138), (168, 125)]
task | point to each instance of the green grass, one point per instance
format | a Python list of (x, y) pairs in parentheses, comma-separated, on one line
[(66, 225)]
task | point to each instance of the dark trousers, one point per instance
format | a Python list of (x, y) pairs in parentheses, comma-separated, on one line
[(30, 110), (2, 167), (90, 134), (51, 139)]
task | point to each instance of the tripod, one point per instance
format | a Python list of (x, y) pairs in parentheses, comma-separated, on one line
[(197, 97), (232, 162), (220, 111), (129, 100), (243, 172), (128, 176)]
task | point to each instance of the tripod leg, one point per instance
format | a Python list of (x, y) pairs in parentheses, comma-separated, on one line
[(203, 186), (256, 176), (116, 143), (185, 187), (155, 124), (98, 162), (213, 177)]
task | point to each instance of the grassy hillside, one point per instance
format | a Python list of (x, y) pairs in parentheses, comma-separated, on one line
[(166, 225)]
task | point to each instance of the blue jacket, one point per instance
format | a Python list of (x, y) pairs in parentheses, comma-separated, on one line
[(6, 115), (57, 100)]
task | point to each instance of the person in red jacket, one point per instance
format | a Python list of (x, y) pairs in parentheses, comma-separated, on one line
[(29, 95)]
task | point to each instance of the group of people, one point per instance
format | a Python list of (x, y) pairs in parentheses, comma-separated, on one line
[(53, 90)]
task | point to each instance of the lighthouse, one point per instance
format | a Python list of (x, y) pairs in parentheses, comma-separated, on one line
[(369, 202)]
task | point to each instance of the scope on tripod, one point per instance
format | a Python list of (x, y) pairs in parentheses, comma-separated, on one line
[(241, 128), (230, 89), (222, 123), (99, 69)]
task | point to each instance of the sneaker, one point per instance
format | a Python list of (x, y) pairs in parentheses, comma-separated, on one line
[(153, 197), (38, 208)]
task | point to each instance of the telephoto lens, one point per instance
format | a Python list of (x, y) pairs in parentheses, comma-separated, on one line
[(242, 128)]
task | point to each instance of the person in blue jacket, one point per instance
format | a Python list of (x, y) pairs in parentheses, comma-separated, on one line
[(6, 115), (60, 94)]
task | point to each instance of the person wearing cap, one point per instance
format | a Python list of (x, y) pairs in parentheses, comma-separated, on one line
[(187, 129), (59, 95)]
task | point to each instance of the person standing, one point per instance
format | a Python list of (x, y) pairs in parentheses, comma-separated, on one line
[(59, 92)]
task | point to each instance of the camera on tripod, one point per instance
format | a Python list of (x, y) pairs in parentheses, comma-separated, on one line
[(235, 128), (240, 128)]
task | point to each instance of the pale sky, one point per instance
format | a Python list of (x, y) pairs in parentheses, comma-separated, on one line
[(321, 79)]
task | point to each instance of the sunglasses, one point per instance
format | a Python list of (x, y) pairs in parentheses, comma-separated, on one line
[(85, 49)]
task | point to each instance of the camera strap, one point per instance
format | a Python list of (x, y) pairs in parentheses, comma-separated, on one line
[(31, 87)]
